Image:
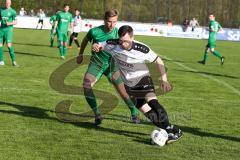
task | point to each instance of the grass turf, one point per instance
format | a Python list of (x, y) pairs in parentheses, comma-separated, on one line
[(204, 103)]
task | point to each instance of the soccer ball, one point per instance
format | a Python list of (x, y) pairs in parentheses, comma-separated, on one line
[(159, 137)]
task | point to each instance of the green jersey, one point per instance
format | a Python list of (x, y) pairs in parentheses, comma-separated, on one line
[(7, 15), (53, 19), (64, 19), (214, 27), (98, 34)]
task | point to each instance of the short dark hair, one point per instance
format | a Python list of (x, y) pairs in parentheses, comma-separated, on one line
[(123, 30), (76, 9), (110, 13), (212, 14), (65, 5)]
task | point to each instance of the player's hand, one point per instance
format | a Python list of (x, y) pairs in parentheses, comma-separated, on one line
[(221, 31), (79, 59), (96, 47), (54, 31), (166, 86)]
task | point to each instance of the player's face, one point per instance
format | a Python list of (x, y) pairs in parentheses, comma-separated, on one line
[(77, 13), (110, 23), (66, 9), (8, 3), (211, 17), (126, 41)]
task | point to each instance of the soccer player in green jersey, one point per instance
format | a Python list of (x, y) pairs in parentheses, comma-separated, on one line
[(214, 27), (64, 22), (101, 64), (52, 34), (7, 20)]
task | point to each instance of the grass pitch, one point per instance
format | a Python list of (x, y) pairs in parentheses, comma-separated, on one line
[(205, 103)]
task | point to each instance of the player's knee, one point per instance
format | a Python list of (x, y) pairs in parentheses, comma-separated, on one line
[(87, 84), (154, 104), (9, 45), (139, 103)]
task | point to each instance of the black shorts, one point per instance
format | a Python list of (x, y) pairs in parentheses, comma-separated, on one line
[(74, 34), (139, 91), (40, 21)]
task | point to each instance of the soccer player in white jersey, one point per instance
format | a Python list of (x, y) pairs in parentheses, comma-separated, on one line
[(131, 57), (77, 22)]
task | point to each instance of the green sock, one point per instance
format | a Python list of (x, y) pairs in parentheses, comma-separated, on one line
[(52, 41), (11, 52), (205, 56), (217, 54), (64, 50), (91, 100), (61, 50), (131, 106), (1, 54)]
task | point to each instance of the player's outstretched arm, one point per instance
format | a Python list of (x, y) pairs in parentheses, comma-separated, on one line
[(12, 23), (83, 46), (166, 86), (55, 27), (71, 27), (96, 47)]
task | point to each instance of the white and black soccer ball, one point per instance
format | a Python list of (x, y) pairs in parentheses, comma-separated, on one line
[(159, 137)]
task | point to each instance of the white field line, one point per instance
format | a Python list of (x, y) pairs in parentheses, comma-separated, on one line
[(234, 90)]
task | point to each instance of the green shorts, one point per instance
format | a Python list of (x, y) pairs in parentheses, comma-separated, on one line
[(6, 34), (62, 37), (97, 68), (211, 45)]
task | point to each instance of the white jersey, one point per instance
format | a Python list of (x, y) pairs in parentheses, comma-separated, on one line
[(77, 24), (41, 16), (132, 64)]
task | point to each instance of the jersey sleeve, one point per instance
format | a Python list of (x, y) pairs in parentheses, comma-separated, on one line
[(0, 14), (107, 47), (58, 17), (151, 56), (51, 19), (90, 35), (219, 27), (14, 15), (71, 19)]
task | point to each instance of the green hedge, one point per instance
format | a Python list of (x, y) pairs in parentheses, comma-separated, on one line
[(227, 11)]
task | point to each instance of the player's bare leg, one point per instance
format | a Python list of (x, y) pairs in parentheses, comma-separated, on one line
[(88, 83)]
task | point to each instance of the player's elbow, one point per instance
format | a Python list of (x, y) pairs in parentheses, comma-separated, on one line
[(159, 61)]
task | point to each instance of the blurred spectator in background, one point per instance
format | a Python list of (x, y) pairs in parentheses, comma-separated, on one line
[(185, 25), (194, 23), (41, 15), (22, 12), (32, 13), (169, 23)]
